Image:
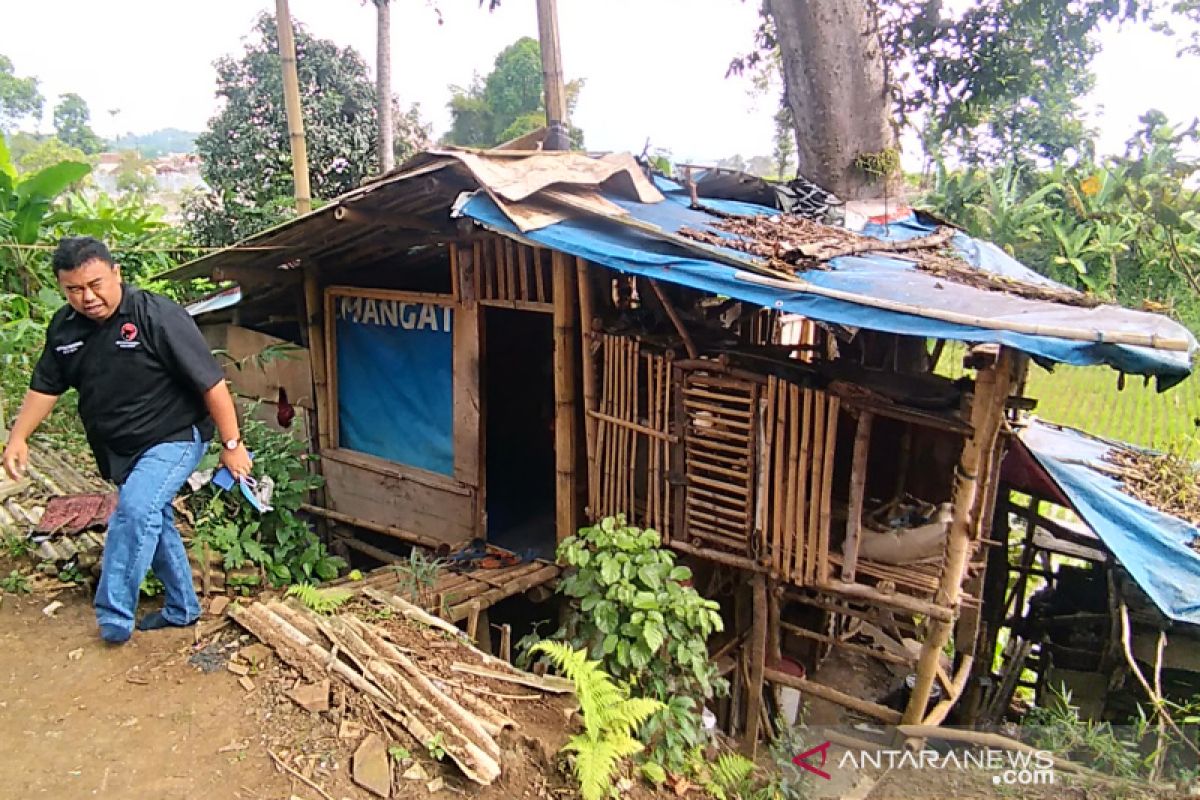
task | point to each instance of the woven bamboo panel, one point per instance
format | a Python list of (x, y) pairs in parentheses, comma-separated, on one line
[(800, 427), (512, 275), (632, 435), (720, 443)]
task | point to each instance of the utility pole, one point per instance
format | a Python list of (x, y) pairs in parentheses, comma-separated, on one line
[(383, 74), (552, 77), (291, 101)]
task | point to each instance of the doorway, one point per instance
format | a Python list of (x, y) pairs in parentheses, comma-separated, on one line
[(519, 429)]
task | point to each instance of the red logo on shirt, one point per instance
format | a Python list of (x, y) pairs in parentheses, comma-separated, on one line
[(129, 331)]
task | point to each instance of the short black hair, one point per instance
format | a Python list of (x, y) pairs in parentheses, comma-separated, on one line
[(75, 251)]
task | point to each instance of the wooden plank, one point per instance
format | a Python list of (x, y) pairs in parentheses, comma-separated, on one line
[(518, 305), (826, 498), (757, 655), (438, 514), (803, 572), (466, 364), (858, 484), (523, 270), (247, 377), (436, 298), (880, 712), (565, 439)]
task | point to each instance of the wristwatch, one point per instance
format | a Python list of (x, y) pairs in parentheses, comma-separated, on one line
[(232, 444)]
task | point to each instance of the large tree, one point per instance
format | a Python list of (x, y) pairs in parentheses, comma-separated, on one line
[(988, 80), (508, 103), (245, 157), (71, 118), (19, 97)]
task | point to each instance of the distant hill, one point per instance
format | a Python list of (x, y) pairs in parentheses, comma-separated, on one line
[(158, 143)]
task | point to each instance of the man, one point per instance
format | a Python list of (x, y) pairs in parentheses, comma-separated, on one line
[(149, 393)]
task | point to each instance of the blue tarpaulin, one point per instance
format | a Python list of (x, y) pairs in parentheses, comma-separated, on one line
[(869, 276), (1153, 546), (395, 381)]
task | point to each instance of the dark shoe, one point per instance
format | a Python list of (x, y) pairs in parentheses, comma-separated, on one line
[(155, 620), (114, 634)]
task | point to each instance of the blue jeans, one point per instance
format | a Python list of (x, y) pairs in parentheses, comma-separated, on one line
[(142, 535)]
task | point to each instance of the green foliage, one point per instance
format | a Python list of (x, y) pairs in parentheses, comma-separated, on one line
[(15, 583), (320, 601), (31, 152), (434, 747), (14, 545), (879, 165), (157, 143), (632, 609), (134, 174), (507, 103), (610, 719), (417, 576), (19, 97), (278, 542), (399, 754), (1126, 230), (150, 586), (71, 117), (1059, 729), (245, 153)]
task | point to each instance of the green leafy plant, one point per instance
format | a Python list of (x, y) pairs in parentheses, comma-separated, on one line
[(399, 754), (151, 586), (279, 543), (434, 747), (320, 601), (610, 718), (16, 546), (15, 583), (633, 608), (417, 576)]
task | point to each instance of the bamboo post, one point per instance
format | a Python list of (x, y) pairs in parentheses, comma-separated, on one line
[(987, 413), (858, 485), (383, 81), (291, 100), (757, 654), (552, 76), (567, 503), (591, 397)]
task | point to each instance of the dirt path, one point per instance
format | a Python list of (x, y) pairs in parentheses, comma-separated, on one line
[(82, 719)]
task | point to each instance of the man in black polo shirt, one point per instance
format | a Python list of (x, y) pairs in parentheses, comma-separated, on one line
[(149, 393)]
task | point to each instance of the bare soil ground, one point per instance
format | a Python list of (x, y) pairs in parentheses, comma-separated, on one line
[(82, 719)]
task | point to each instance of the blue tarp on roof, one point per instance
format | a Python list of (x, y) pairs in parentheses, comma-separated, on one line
[(871, 276), (1152, 546)]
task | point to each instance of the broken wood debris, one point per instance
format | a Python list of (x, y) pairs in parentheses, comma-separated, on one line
[(1162, 481), (789, 242), (405, 686)]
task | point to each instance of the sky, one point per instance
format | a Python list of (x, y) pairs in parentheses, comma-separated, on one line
[(654, 69)]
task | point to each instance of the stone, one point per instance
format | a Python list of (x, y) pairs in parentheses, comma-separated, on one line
[(217, 605), (350, 729), (255, 655), (435, 785), (246, 683), (371, 767), (312, 696), (237, 669), (415, 773)]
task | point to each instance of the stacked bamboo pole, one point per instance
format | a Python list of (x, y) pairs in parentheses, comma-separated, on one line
[(566, 344), (363, 656)]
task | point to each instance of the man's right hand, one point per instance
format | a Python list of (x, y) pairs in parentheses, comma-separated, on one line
[(16, 457)]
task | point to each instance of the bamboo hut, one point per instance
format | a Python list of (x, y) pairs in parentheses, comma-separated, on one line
[(505, 345)]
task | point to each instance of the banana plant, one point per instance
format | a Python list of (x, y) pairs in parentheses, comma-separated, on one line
[(25, 203)]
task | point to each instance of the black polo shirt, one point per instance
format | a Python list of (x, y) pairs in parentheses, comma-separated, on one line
[(140, 374)]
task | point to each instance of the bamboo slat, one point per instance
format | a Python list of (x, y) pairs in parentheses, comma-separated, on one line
[(813, 544)]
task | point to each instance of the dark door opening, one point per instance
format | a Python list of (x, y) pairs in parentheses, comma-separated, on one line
[(519, 426)]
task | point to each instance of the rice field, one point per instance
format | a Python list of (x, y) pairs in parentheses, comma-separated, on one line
[(1089, 398)]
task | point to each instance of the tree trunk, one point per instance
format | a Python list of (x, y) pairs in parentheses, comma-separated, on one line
[(383, 71), (834, 79)]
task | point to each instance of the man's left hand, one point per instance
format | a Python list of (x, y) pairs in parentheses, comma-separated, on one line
[(237, 461)]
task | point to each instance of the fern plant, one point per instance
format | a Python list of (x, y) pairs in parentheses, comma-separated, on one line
[(320, 601), (610, 718)]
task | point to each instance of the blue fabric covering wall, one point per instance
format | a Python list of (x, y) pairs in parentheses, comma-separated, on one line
[(395, 381), (1154, 547)]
